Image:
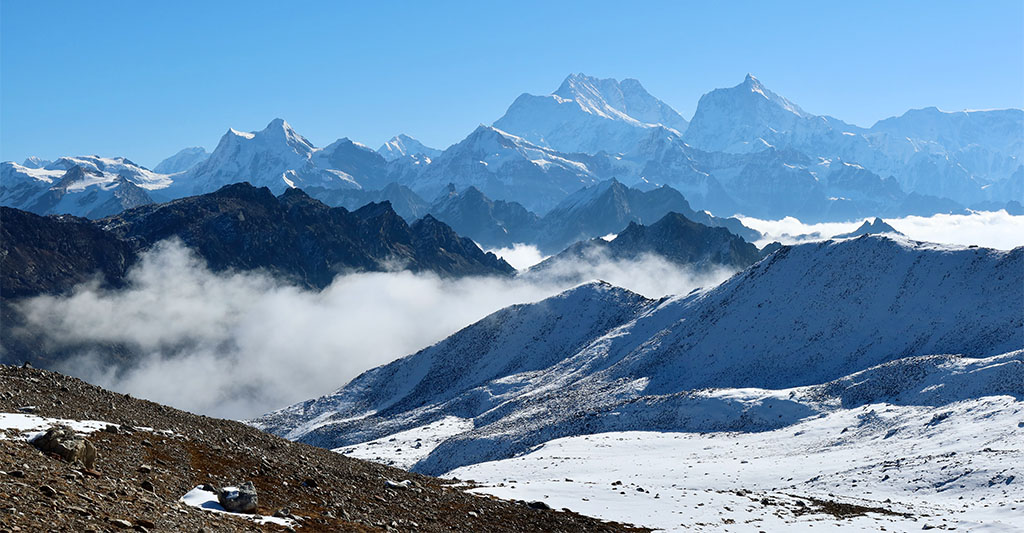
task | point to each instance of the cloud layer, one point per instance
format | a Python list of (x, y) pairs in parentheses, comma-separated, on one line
[(239, 344), (991, 229)]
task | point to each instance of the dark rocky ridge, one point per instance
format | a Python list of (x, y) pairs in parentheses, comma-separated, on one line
[(674, 237), (140, 475), (298, 237)]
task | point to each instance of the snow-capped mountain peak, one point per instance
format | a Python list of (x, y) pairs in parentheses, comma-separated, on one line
[(403, 145), (277, 157), (588, 114)]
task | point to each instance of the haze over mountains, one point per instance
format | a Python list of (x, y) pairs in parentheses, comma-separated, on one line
[(747, 150)]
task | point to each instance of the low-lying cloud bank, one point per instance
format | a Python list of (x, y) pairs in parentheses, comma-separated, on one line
[(240, 344), (991, 229)]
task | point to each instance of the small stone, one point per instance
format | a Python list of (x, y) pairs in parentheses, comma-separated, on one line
[(110, 428), (123, 524), (148, 485), (145, 523), (145, 442), (48, 490), (473, 514), (16, 473), (538, 505)]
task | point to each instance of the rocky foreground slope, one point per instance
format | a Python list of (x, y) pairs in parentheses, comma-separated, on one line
[(153, 455)]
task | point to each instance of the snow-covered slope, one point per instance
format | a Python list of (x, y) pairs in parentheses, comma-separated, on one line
[(588, 114), (402, 145), (878, 467), (88, 186), (763, 350), (185, 159)]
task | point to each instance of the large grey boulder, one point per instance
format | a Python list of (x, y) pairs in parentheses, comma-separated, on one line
[(240, 499), (62, 441)]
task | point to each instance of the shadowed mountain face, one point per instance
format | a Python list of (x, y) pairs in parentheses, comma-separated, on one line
[(875, 226), (610, 206), (295, 236), (492, 223), (46, 254), (674, 238), (590, 212), (238, 227)]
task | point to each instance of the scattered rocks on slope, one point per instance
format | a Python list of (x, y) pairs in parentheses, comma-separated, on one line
[(186, 451)]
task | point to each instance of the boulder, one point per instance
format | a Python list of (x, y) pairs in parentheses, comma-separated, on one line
[(240, 499), (62, 441)]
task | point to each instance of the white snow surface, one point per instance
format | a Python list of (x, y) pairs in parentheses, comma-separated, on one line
[(957, 466), (29, 426), (406, 448)]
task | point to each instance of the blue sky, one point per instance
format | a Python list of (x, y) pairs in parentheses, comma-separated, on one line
[(144, 79)]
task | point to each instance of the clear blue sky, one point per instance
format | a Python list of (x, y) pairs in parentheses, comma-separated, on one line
[(144, 79)]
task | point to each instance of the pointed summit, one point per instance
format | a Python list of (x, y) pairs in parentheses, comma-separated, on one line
[(588, 114), (402, 145), (745, 118)]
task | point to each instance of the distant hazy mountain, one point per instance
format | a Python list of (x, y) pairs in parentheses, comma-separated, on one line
[(875, 226), (594, 211), (777, 343), (492, 223), (957, 156), (747, 150), (588, 114), (403, 200), (610, 206), (185, 159), (402, 145)]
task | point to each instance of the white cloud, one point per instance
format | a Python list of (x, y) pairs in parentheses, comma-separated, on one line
[(520, 256), (240, 344), (991, 229)]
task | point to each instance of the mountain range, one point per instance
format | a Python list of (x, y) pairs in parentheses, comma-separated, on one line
[(880, 319), (239, 227), (746, 150)]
